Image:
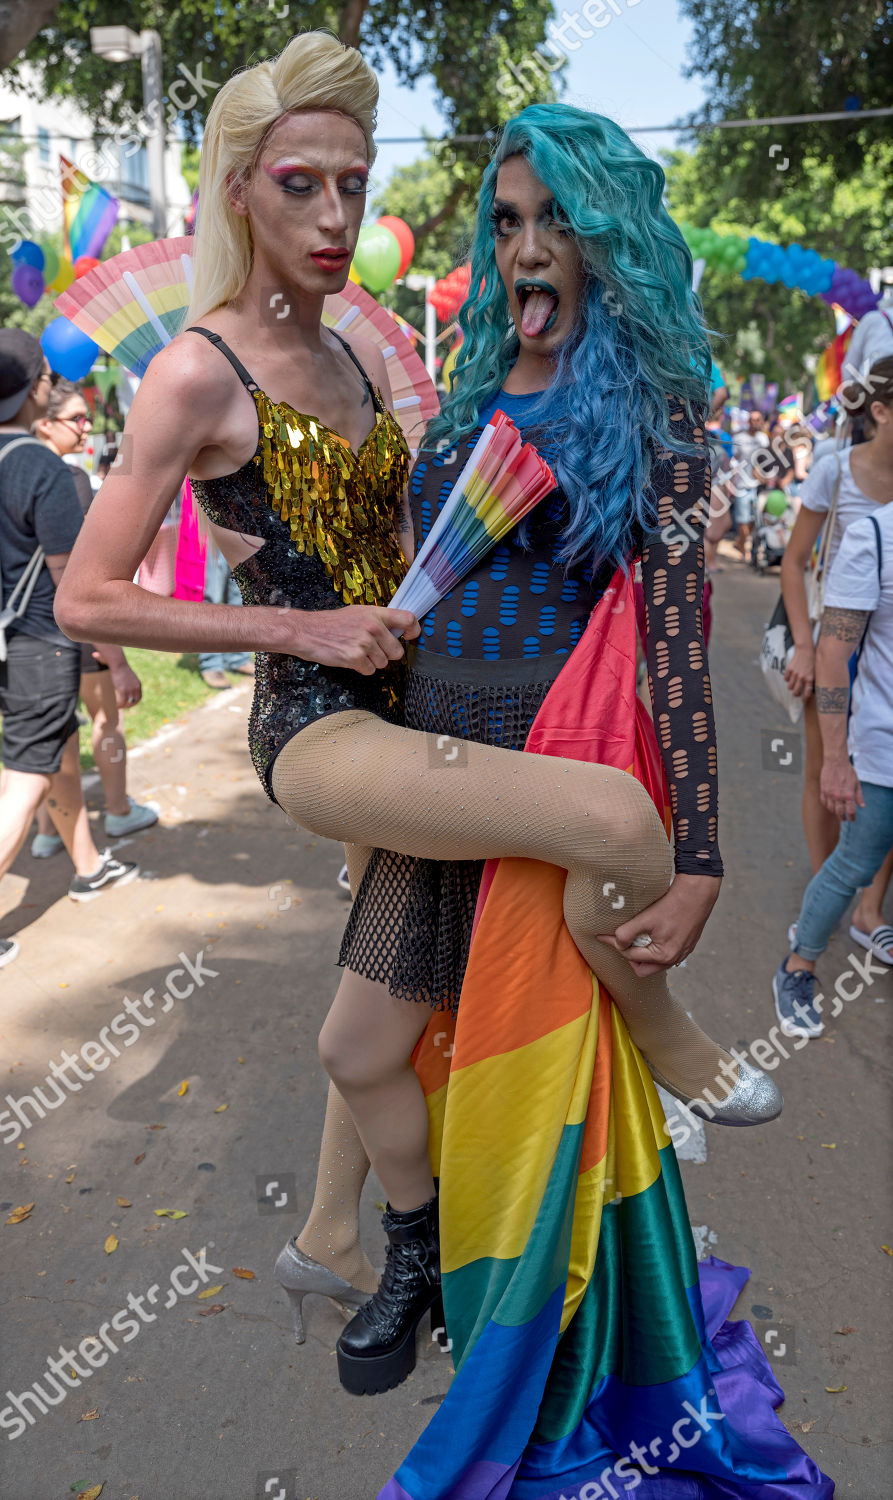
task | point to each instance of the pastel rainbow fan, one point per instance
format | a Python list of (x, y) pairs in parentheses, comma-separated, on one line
[(502, 480), (135, 303)]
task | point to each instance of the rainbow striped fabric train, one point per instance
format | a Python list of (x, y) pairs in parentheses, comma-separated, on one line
[(592, 1359), (503, 479)]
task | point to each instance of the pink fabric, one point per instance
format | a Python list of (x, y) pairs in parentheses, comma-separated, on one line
[(191, 548)]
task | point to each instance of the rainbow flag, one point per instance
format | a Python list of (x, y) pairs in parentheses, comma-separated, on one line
[(592, 1354), (89, 213), (829, 369)]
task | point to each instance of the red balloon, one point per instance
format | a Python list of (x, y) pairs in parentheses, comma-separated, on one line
[(84, 263), (404, 237)]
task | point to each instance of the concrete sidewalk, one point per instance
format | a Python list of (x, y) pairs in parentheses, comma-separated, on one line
[(209, 1399)]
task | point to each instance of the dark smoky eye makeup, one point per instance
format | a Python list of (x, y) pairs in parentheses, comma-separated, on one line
[(499, 213)]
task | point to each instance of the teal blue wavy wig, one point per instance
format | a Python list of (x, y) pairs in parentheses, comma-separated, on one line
[(639, 339)]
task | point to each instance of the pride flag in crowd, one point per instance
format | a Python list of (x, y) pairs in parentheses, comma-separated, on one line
[(89, 213)]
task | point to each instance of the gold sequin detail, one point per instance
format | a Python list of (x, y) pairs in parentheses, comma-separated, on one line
[(337, 504)]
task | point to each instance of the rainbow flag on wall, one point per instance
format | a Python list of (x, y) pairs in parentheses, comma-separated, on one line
[(89, 213), (592, 1353)]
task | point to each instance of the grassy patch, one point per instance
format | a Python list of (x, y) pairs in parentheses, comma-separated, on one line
[(171, 686)]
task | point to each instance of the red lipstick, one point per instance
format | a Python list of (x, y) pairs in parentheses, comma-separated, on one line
[(331, 260)]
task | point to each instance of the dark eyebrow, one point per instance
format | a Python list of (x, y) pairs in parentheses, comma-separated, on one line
[(502, 206)]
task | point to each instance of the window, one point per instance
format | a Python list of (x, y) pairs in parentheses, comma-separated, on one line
[(43, 145)]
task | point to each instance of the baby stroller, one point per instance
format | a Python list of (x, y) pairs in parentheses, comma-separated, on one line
[(774, 524)]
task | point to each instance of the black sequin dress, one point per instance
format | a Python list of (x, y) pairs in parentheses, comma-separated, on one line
[(327, 519)]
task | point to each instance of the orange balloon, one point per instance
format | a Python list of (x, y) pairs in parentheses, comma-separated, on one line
[(83, 264), (404, 237)]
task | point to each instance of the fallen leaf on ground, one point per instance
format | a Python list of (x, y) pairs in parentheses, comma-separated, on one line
[(245, 1275), (156, 1127), (124, 1203), (829, 1146), (18, 1214), (834, 1390), (183, 1087), (220, 1108), (111, 1244), (211, 1291), (93, 1493), (808, 1426), (845, 1330), (886, 1249), (205, 1312), (70, 1179), (90, 1416), (240, 1059), (138, 1159), (171, 1213)]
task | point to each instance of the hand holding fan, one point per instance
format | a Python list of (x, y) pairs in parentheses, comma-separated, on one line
[(502, 480)]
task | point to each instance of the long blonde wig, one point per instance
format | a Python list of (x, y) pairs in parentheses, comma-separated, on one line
[(315, 71)]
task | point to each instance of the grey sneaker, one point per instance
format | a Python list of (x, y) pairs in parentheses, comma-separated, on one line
[(45, 845), (111, 871), (795, 1006), (9, 949), (138, 816)]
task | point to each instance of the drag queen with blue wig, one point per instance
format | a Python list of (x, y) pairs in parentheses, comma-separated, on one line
[(584, 328)]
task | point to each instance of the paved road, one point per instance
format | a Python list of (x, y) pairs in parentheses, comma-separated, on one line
[(201, 1404)]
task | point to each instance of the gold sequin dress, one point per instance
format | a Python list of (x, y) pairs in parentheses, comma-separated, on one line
[(327, 517)]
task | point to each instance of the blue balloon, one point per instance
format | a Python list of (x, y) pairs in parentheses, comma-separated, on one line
[(70, 352), (26, 253)]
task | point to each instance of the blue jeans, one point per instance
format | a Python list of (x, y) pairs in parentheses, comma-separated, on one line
[(861, 850), (220, 588)]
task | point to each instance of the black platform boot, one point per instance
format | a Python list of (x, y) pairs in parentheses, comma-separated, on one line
[(376, 1351)]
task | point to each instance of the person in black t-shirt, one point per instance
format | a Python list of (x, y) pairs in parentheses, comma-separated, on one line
[(108, 683), (39, 509)]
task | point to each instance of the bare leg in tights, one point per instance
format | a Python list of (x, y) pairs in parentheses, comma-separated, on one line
[(354, 778), (331, 1235)]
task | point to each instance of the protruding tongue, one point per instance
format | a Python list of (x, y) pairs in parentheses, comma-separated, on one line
[(538, 310)]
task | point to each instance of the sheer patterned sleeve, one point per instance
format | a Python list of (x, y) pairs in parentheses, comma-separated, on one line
[(678, 675)]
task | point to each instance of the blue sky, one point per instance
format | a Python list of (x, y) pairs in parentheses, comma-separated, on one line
[(630, 69)]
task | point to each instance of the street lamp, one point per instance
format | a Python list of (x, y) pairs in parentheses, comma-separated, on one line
[(119, 44)]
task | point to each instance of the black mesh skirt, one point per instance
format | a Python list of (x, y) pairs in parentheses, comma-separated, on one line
[(410, 927)]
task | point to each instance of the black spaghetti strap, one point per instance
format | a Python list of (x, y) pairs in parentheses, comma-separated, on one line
[(375, 401), (246, 379)]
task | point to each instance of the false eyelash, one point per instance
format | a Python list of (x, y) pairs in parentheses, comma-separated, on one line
[(496, 218)]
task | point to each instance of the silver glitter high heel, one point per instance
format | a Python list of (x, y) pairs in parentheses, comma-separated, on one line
[(755, 1099), (298, 1274)]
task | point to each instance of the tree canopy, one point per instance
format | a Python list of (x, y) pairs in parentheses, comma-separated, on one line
[(765, 58), (462, 45)]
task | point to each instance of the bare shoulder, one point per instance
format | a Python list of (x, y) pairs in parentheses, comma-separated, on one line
[(373, 361), (189, 369)]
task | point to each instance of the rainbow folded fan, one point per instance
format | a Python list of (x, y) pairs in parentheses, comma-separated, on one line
[(501, 482), (135, 303)]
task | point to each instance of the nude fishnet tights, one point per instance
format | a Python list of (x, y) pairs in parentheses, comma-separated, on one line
[(355, 778), (331, 1234)]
